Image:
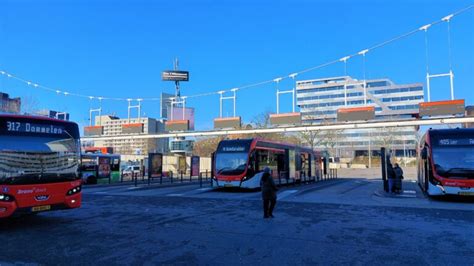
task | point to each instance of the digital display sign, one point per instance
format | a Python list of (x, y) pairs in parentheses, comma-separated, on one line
[(455, 142), (175, 75), (25, 127)]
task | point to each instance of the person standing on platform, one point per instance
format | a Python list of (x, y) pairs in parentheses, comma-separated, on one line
[(390, 177), (268, 193), (398, 178)]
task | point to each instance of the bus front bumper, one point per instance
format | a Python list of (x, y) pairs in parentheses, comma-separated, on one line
[(8, 209), (448, 190)]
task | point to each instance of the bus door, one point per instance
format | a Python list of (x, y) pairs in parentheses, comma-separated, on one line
[(115, 169)]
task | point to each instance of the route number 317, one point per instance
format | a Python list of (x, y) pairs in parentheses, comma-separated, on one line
[(13, 126)]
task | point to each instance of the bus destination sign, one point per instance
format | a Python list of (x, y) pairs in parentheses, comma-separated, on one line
[(233, 149), (455, 142), (24, 127)]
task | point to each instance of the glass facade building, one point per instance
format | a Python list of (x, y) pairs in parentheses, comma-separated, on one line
[(319, 100)]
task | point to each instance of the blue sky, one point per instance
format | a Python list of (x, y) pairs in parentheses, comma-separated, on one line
[(119, 48)]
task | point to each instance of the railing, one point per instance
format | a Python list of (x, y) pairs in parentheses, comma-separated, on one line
[(204, 178)]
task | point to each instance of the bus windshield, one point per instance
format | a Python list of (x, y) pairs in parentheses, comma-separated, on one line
[(38, 159), (453, 154), (455, 161), (231, 163)]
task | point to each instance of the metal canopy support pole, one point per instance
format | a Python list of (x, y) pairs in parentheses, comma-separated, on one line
[(138, 107), (235, 98), (447, 19), (344, 59), (277, 81), (172, 111), (363, 52), (425, 29), (220, 103), (222, 98), (99, 110), (292, 76)]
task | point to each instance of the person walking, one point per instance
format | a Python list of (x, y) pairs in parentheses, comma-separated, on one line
[(390, 177), (398, 178), (268, 193)]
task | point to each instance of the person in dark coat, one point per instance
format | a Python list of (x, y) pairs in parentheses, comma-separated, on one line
[(268, 193), (398, 178), (390, 177)]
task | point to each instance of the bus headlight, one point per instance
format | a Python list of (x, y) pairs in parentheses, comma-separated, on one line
[(74, 191), (6, 197)]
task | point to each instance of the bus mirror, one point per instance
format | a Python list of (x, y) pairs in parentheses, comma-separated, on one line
[(424, 153)]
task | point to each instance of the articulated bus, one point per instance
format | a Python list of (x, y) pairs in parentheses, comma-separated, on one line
[(98, 168), (39, 165), (240, 162), (446, 162)]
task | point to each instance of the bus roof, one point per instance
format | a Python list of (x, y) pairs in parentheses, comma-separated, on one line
[(35, 117)]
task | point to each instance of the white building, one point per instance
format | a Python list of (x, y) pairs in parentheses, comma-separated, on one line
[(114, 126), (319, 100)]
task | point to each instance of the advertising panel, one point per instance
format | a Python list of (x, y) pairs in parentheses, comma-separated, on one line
[(104, 167), (195, 165), (155, 164), (182, 164)]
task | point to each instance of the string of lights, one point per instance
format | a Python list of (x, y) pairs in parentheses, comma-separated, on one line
[(252, 85)]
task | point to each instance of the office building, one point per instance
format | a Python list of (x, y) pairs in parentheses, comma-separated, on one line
[(107, 125), (319, 100)]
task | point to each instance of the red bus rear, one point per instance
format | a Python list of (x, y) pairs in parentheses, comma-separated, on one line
[(39, 165)]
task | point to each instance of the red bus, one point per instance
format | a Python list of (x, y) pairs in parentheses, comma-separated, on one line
[(446, 162), (240, 162), (39, 165)]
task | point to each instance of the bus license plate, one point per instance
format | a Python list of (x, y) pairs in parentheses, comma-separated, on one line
[(41, 208), (466, 193), (228, 185)]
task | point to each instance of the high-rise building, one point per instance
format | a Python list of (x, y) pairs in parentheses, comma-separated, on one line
[(114, 126), (319, 100), (9, 105)]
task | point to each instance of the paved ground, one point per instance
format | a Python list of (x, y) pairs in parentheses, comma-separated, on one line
[(345, 221)]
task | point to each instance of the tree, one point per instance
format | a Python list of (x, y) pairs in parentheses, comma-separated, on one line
[(311, 138), (29, 104), (205, 147)]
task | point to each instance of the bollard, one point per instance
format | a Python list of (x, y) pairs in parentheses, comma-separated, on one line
[(161, 178), (190, 176), (121, 177), (136, 179), (336, 173), (200, 179), (181, 176), (171, 177), (149, 178)]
